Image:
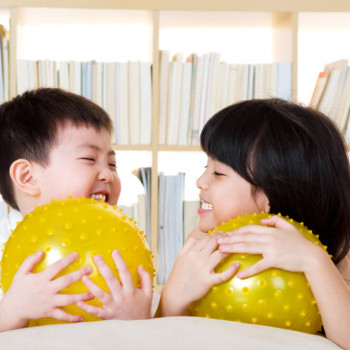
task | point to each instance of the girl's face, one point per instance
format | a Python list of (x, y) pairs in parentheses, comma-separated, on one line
[(224, 194)]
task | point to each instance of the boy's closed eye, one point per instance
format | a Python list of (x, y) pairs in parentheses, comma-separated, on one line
[(88, 158), (218, 174)]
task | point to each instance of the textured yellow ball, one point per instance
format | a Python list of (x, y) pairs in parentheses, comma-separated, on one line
[(273, 297), (81, 225)]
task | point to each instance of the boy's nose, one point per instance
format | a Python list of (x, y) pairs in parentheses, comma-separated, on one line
[(106, 175)]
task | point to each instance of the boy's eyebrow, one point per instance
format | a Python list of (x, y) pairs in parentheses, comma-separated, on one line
[(95, 148)]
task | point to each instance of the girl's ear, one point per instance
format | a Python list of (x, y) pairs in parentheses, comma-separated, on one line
[(21, 173)]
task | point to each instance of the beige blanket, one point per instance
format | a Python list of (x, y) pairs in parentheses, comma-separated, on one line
[(162, 333)]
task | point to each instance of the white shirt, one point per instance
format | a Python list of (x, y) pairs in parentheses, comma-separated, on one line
[(7, 225)]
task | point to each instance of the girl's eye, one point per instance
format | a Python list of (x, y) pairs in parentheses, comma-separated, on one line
[(113, 165), (88, 158), (217, 174)]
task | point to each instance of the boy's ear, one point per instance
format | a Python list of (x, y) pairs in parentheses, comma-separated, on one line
[(21, 173)]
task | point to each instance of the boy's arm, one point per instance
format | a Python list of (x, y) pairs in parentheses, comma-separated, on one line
[(35, 295), (125, 301)]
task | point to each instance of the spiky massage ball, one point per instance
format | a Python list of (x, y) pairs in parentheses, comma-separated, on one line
[(81, 225), (273, 297)]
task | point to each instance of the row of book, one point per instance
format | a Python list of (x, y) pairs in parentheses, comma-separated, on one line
[(123, 89), (331, 94), (192, 89), (176, 217), (4, 64)]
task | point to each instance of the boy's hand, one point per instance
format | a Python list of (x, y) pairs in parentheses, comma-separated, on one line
[(35, 295), (193, 274), (125, 301)]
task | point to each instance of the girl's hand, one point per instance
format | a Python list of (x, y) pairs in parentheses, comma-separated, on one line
[(281, 245), (36, 295), (193, 275), (125, 301)]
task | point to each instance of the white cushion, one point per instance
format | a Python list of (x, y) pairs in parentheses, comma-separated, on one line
[(161, 333)]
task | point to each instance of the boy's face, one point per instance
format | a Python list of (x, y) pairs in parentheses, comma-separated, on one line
[(224, 195), (82, 163)]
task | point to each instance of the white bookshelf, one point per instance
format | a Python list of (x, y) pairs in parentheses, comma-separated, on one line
[(307, 33)]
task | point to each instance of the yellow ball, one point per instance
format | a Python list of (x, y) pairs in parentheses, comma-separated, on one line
[(273, 297), (81, 225)]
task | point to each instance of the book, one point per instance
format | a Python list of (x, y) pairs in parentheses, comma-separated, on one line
[(204, 94), (111, 95), (185, 103), (170, 222), (63, 75), (197, 100), (193, 60), (134, 102), (123, 104), (174, 101), (319, 89), (342, 115), (145, 103), (284, 80), (164, 57), (99, 84)]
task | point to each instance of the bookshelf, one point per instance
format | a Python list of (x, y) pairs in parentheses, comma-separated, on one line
[(277, 31)]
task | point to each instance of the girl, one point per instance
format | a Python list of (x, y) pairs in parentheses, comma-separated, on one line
[(279, 157)]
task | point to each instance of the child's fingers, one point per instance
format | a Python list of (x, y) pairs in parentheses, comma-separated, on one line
[(70, 278), (146, 281), (225, 275), (62, 315), (30, 262), (216, 258), (93, 310), (254, 269), (52, 270), (105, 271), (277, 222), (124, 273), (98, 292), (249, 248), (70, 299)]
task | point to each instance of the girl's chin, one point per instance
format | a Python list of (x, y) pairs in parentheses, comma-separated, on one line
[(205, 227)]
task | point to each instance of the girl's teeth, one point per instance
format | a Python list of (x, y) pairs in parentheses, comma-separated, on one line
[(98, 197), (206, 206)]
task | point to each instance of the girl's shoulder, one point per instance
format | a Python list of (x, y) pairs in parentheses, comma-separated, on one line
[(344, 268)]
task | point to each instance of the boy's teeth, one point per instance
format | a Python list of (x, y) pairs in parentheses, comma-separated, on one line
[(98, 197), (206, 206)]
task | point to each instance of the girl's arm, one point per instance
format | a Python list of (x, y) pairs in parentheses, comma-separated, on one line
[(283, 246), (193, 275)]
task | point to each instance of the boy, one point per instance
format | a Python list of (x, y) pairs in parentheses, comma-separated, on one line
[(55, 144)]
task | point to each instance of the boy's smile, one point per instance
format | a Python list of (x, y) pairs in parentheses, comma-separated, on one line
[(81, 163)]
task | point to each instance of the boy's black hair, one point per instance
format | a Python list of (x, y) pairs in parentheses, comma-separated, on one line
[(295, 155), (29, 123)]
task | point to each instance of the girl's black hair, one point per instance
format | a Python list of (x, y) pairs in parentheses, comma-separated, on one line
[(295, 155)]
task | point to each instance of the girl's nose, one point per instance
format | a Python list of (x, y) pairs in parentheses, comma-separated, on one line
[(201, 182)]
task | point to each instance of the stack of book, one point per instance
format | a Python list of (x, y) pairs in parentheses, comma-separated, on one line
[(193, 89), (170, 222), (331, 94), (123, 89)]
